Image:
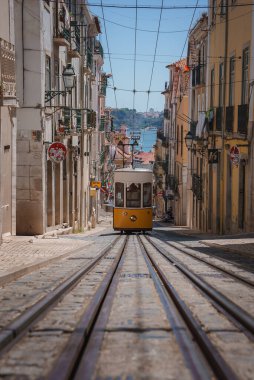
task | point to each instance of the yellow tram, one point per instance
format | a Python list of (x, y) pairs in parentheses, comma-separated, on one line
[(133, 200)]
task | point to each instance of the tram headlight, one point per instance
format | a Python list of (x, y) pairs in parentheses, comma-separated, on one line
[(133, 218)]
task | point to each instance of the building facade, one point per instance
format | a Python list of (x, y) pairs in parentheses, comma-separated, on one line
[(8, 121), (53, 37), (229, 94)]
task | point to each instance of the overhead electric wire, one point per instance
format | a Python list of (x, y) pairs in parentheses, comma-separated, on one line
[(110, 63), (155, 51), (170, 7), (134, 65)]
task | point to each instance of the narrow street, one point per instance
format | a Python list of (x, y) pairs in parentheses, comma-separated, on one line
[(179, 305)]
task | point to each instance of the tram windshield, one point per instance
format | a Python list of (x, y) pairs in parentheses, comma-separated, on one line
[(133, 195), (119, 194), (147, 194)]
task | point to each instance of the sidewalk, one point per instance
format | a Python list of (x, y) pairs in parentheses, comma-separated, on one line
[(17, 253), (238, 243)]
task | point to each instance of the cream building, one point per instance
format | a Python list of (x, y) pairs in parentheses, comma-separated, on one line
[(8, 121)]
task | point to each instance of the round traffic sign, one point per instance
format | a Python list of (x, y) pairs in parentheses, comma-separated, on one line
[(57, 152)]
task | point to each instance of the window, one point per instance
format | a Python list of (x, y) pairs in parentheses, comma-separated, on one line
[(231, 80), (223, 7), (133, 195), (47, 74), (212, 89), (245, 76), (221, 80), (119, 194), (147, 194)]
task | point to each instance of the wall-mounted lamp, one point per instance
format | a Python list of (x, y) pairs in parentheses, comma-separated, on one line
[(69, 82), (188, 140)]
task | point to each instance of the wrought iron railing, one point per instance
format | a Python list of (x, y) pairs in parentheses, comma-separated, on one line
[(197, 186)]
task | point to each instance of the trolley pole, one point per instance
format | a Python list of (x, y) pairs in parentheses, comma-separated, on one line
[(121, 144)]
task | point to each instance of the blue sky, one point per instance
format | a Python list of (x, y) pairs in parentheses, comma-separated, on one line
[(174, 26)]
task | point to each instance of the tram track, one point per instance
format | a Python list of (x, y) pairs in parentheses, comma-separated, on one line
[(215, 360), (140, 303), (190, 252), (10, 333), (244, 319)]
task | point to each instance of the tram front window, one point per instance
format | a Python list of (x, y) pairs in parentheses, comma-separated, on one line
[(119, 194), (147, 194), (133, 195)]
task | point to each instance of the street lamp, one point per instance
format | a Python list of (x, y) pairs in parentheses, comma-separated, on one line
[(68, 77), (69, 82), (188, 140)]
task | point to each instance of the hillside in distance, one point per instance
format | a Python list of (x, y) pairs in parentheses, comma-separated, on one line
[(133, 119)]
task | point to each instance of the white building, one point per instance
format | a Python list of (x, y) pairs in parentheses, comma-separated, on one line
[(8, 104)]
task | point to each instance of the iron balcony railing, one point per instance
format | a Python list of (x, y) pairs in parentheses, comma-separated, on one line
[(172, 182), (197, 186), (243, 118), (75, 36), (219, 116), (89, 59), (229, 118)]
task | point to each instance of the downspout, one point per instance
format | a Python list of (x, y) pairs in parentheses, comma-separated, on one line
[(222, 182), (82, 138)]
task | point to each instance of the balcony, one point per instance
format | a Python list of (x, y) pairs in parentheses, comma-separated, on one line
[(243, 118), (196, 76), (7, 72), (98, 49), (91, 119), (219, 116), (229, 118), (62, 34), (197, 186), (74, 51), (172, 183), (62, 37), (161, 136), (88, 65)]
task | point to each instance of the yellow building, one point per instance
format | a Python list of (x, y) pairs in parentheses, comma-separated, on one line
[(197, 210), (230, 98), (175, 128)]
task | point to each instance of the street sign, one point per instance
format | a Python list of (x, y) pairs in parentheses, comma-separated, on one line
[(235, 155), (57, 152), (213, 156)]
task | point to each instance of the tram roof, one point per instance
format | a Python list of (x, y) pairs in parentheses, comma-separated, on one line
[(134, 170)]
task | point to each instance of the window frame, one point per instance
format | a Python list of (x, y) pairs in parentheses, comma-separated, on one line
[(245, 76)]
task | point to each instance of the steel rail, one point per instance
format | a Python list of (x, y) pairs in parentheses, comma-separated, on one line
[(215, 360), (13, 331), (78, 358), (245, 319), (228, 272)]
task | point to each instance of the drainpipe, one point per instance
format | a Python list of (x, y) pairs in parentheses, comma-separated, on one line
[(82, 222), (222, 182)]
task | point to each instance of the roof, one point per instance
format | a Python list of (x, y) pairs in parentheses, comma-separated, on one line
[(134, 170)]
